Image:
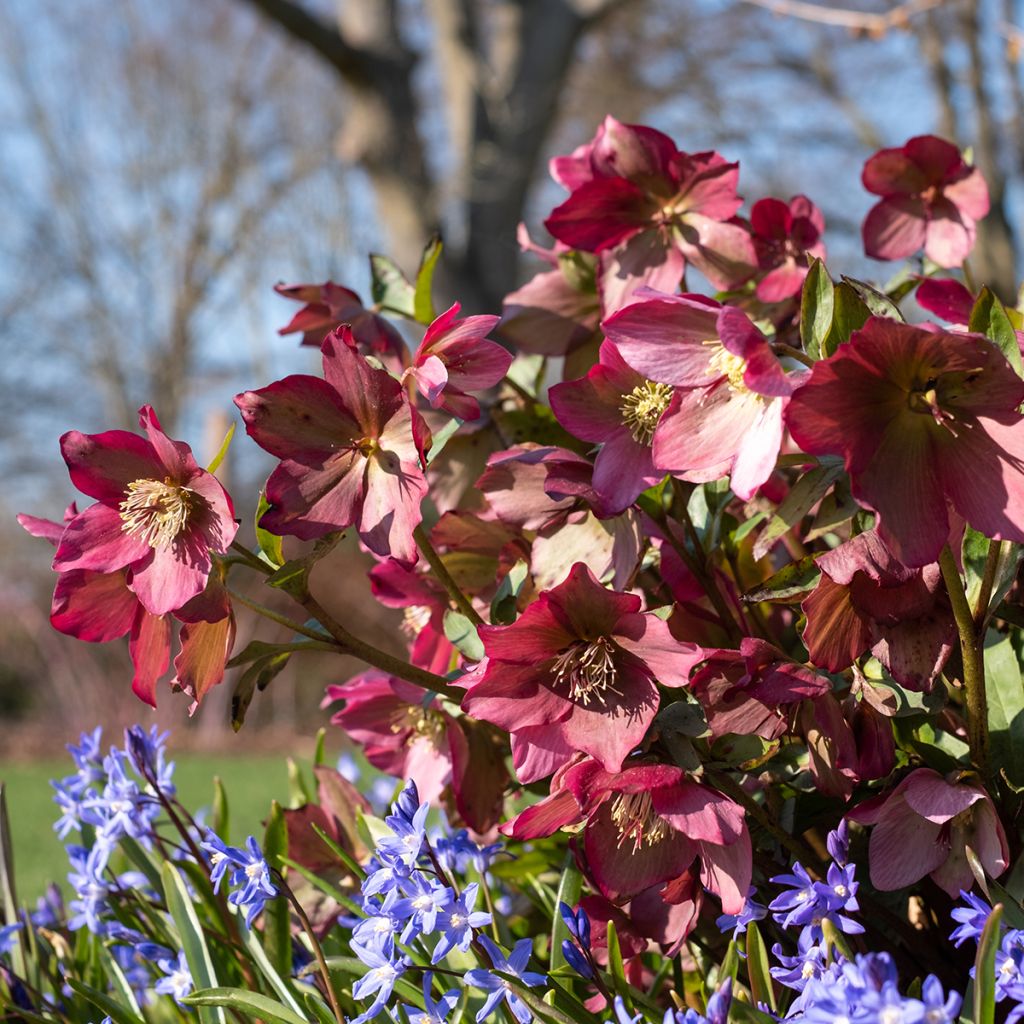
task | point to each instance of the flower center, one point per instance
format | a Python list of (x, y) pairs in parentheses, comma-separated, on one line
[(642, 408), (158, 511), (724, 363), (457, 920), (588, 669), (253, 871), (414, 618), (634, 816)]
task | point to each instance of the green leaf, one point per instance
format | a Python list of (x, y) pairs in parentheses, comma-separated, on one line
[(816, 305), (182, 911), (221, 451), (118, 981), (1005, 707), (390, 288), (791, 581), (316, 1006), (570, 885), (221, 819), (989, 317), (985, 968), (269, 543), (115, 1011), (319, 757), (8, 893), (282, 986), (247, 1002), (462, 634), (503, 607), (277, 936), (616, 968), (758, 968), (848, 314), (441, 438), (878, 303), (298, 790), (423, 302), (802, 497), (257, 676)]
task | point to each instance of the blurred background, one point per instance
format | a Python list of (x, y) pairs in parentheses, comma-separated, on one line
[(163, 165)]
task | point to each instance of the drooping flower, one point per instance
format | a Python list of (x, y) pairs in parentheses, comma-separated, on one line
[(923, 826), (158, 515), (652, 209), (351, 448), (620, 409), (867, 599), (786, 236), (578, 671), (328, 306), (645, 826), (931, 199), (455, 357), (726, 415), (924, 420)]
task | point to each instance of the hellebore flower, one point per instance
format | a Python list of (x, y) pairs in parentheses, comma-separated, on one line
[(867, 599), (454, 357), (617, 407), (923, 419), (578, 671), (350, 446), (931, 199), (158, 515), (786, 236), (645, 826), (328, 306), (923, 826), (651, 209), (726, 415)]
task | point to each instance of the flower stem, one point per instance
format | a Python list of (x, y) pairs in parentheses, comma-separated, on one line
[(318, 951), (972, 655), (440, 570), (988, 580), (781, 349), (283, 620)]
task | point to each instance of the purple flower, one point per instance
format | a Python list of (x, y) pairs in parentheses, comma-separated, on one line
[(425, 899), (970, 919), (456, 922), (436, 1011), (939, 1008), (752, 911), (177, 981), (379, 980), (497, 988), (252, 873)]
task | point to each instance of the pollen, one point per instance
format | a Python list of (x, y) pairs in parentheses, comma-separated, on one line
[(588, 669), (724, 363), (158, 511), (642, 408), (633, 814), (414, 620)]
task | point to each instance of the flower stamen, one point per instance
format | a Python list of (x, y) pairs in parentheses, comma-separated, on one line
[(642, 408), (158, 511), (588, 669), (724, 363), (634, 816)]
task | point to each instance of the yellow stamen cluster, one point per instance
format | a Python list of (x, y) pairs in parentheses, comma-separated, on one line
[(634, 816), (642, 408), (724, 363), (158, 511), (588, 669)]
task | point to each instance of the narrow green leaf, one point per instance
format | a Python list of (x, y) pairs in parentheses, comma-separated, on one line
[(985, 968), (503, 607), (730, 963), (423, 301), (989, 317), (390, 288), (441, 438), (1005, 694), (221, 820), (269, 543), (8, 892), (570, 885), (318, 754), (254, 1003), (115, 1011), (463, 635), (282, 986), (791, 581), (277, 935), (221, 451), (182, 911), (316, 1006), (298, 790), (802, 497), (340, 852), (616, 968), (325, 887), (758, 968), (816, 305)]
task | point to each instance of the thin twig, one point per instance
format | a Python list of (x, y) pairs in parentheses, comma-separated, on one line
[(840, 17)]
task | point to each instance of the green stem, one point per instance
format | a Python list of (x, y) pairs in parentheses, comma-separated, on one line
[(988, 580), (781, 349), (381, 659), (440, 570), (283, 620), (972, 655)]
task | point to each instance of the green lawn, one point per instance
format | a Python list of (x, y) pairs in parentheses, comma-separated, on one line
[(251, 783)]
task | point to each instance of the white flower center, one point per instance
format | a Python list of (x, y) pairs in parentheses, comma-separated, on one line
[(253, 871), (158, 511), (588, 669)]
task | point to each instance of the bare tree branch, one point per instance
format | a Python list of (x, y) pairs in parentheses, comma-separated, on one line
[(870, 24)]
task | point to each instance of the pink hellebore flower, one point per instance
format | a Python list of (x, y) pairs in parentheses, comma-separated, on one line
[(644, 826), (726, 415), (330, 305), (454, 357), (158, 515), (652, 209), (924, 826), (351, 447), (923, 419), (867, 599), (786, 236), (946, 298), (578, 671), (931, 199), (620, 409)]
